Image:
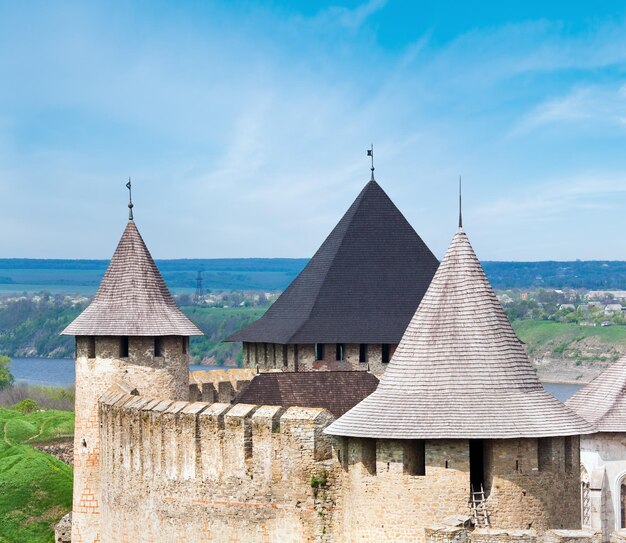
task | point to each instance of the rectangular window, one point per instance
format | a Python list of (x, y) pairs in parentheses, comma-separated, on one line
[(158, 346), (274, 354), (544, 453), (363, 353), (285, 355), (295, 356), (91, 347), (385, 353), (256, 354), (339, 351), (124, 347), (185, 345), (415, 457), (265, 355), (368, 451), (568, 446), (319, 351), (246, 346)]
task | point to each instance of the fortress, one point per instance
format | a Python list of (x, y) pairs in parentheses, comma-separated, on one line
[(458, 442)]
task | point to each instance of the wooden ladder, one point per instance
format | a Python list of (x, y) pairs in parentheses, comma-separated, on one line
[(478, 504)]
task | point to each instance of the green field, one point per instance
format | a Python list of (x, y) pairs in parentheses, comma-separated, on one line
[(35, 488), (571, 340)]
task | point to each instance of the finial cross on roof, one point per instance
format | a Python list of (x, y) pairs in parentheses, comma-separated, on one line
[(370, 153), (130, 200)]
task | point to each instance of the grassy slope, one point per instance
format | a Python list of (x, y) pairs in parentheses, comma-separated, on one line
[(35, 488), (562, 338)]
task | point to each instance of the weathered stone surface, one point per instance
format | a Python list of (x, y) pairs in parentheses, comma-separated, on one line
[(271, 357), (63, 530)]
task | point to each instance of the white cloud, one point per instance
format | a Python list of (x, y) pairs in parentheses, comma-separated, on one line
[(589, 105)]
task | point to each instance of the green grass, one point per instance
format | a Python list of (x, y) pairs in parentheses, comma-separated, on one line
[(563, 337), (35, 488)]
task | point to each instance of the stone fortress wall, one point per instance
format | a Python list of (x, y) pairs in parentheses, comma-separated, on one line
[(301, 357), (189, 471)]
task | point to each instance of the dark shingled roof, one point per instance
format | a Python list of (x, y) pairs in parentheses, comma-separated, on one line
[(133, 299), (603, 401), (361, 286), (460, 372), (337, 391)]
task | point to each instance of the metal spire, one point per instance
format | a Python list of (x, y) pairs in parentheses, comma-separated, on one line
[(130, 200), (370, 152), (460, 206)]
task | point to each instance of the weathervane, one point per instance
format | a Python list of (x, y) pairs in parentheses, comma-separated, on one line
[(130, 200), (460, 206), (370, 152)]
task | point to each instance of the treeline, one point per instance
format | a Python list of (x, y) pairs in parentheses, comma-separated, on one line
[(590, 275), (275, 274), (30, 327), (218, 323)]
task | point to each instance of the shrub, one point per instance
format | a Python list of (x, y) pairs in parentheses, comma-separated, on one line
[(26, 406), (6, 377)]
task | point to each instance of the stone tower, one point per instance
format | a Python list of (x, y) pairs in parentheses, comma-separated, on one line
[(134, 337), (459, 417)]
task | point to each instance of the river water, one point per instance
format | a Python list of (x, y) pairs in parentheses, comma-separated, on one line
[(60, 372)]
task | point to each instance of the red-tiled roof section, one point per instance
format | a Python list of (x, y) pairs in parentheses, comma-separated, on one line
[(337, 391), (132, 299), (459, 371), (363, 284)]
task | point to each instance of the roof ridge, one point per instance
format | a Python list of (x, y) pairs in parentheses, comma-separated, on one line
[(354, 207)]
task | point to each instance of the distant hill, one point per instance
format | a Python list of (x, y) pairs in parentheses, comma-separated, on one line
[(83, 276), (591, 274), (274, 274)]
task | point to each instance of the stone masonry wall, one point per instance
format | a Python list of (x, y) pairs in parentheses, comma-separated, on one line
[(382, 502), (200, 472), (140, 372), (534, 485), (525, 493), (271, 357), (188, 472)]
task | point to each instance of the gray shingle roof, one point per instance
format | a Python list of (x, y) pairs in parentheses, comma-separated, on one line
[(361, 286), (132, 299), (459, 371), (337, 391), (603, 401)]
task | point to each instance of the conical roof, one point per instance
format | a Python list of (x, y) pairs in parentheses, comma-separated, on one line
[(459, 371), (361, 286), (133, 299), (603, 401)]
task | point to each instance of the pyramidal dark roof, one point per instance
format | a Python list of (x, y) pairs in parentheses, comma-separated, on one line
[(459, 371), (361, 286), (132, 299), (603, 401)]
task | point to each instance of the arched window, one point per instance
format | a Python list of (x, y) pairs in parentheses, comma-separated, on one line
[(585, 498), (622, 501)]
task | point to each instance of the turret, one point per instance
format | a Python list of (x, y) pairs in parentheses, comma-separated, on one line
[(132, 336)]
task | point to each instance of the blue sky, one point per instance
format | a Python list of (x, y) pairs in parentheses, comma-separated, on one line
[(244, 124)]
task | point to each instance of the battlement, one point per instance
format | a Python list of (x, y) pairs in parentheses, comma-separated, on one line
[(246, 468), (218, 385)]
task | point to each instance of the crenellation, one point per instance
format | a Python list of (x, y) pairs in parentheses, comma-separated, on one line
[(238, 444), (265, 425)]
